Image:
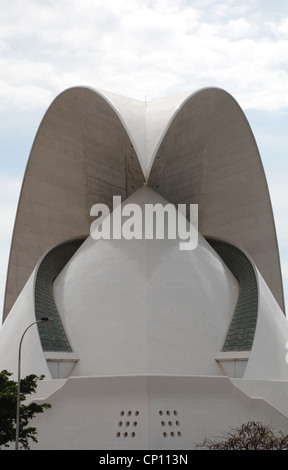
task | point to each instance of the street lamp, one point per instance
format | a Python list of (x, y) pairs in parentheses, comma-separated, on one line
[(43, 320)]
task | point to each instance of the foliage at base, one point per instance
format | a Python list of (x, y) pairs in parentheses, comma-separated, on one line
[(250, 436), (8, 405)]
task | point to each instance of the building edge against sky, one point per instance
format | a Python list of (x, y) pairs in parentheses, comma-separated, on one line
[(151, 346)]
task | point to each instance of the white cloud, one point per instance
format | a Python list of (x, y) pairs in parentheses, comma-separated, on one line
[(240, 28), (9, 192), (137, 47), (278, 191)]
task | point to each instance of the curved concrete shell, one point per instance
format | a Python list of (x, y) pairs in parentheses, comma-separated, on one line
[(191, 148), (208, 156), (152, 347), (81, 155)]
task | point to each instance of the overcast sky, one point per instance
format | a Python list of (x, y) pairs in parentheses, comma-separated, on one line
[(145, 50)]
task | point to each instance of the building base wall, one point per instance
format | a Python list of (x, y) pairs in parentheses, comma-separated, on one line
[(146, 412)]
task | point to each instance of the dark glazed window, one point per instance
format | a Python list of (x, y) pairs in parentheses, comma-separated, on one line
[(52, 335), (242, 328)]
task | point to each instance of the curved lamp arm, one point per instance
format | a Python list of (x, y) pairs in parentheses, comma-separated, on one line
[(43, 320)]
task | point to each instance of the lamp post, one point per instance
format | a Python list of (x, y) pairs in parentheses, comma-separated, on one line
[(43, 320)]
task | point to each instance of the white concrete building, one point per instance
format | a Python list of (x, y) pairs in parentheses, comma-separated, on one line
[(150, 347)]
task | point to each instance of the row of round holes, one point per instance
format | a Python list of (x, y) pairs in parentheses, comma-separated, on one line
[(125, 434), (168, 413), (172, 434), (129, 413), (127, 424), (170, 423)]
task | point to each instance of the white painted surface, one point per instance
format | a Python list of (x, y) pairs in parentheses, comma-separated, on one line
[(268, 358), (147, 412), (192, 148), (148, 329), (145, 306), (23, 314), (146, 320)]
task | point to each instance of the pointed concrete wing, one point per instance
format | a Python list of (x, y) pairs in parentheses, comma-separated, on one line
[(81, 155), (207, 155)]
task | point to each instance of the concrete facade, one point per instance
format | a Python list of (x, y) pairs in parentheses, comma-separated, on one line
[(146, 322), (192, 148), (209, 156), (81, 155)]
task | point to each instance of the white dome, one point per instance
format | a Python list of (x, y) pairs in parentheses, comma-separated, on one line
[(145, 306)]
